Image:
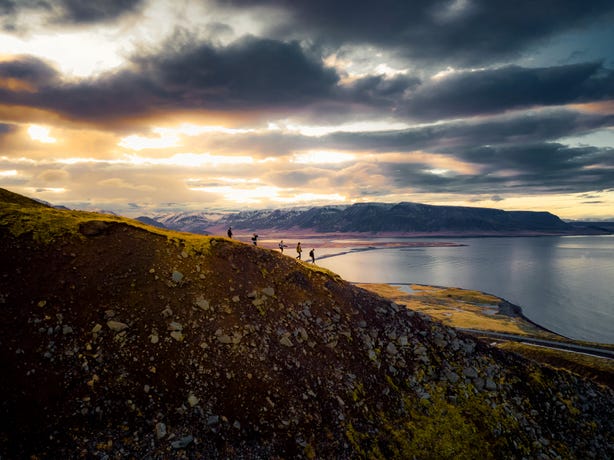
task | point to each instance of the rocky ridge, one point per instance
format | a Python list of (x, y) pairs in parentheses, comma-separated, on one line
[(125, 341)]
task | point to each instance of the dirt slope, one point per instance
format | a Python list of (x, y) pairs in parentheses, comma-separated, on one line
[(119, 340)]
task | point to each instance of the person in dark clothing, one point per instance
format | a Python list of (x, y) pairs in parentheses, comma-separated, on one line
[(255, 239), (282, 246), (299, 250), (229, 232), (313, 256)]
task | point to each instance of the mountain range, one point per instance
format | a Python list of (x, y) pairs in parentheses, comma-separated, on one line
[(380, 218), (124, 340)]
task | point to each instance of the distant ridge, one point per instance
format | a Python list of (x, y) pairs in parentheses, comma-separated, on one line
[(376, 218)]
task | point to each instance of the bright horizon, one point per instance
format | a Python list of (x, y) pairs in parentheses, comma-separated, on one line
[(146, 105)]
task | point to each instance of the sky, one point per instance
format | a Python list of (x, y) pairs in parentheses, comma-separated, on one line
[(149, 106)]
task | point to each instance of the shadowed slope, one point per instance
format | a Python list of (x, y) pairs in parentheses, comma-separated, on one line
[(126, 340)]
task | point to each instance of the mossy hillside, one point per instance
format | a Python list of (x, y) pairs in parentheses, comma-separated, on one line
[(438, 419), (47, 224), (459, 431), (599, 369), (123, 342)]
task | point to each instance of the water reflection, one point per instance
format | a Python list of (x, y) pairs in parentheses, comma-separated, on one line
[(563, 283)]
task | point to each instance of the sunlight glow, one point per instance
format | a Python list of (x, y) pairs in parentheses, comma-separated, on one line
[(309, 197), (242, 195), (79, 160), (438, 171), (48, 190), (8, 173), (77, 54), (135, 142), (120, 183), (41, 134), (354, 127), (170, 137), (322, 157), (194, 130), (233, 180), (180, 159), (385, 69), (191, 160), (257, 194)]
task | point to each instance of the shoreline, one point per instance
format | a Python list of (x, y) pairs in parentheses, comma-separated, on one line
[(359, 240), (294, 233), (470, 309), (506, 328), (344, 244)]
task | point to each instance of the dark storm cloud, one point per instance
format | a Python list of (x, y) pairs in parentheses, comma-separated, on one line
[(378, 91), (547, 159), (467, 32), (546, 168), (261, 74), (448, 137), (4, 129), (87, 11), (28, 69), (249, 74), (68, 11), (510, 87)]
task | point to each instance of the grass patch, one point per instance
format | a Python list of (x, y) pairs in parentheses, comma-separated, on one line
[(595, 368), (456, 307), (436, 428), (47, 224)]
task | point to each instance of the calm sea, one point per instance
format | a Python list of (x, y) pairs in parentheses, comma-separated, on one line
[(565, 284)]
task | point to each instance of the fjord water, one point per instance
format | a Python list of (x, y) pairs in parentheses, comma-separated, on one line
[(565, 284)]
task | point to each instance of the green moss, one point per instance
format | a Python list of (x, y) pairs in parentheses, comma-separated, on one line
[(310, 452), (46, 224), (42, 223), (359, 392), (436, 428), (317, 269)]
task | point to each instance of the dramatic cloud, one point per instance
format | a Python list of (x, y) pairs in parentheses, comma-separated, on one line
[(67, 11), (529, 169), (456, 31), (29, 71), (250, 74), (143, 105), (446, 137), (512, 87)]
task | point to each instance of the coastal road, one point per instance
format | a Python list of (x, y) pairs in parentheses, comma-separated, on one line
[(592, 351)]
